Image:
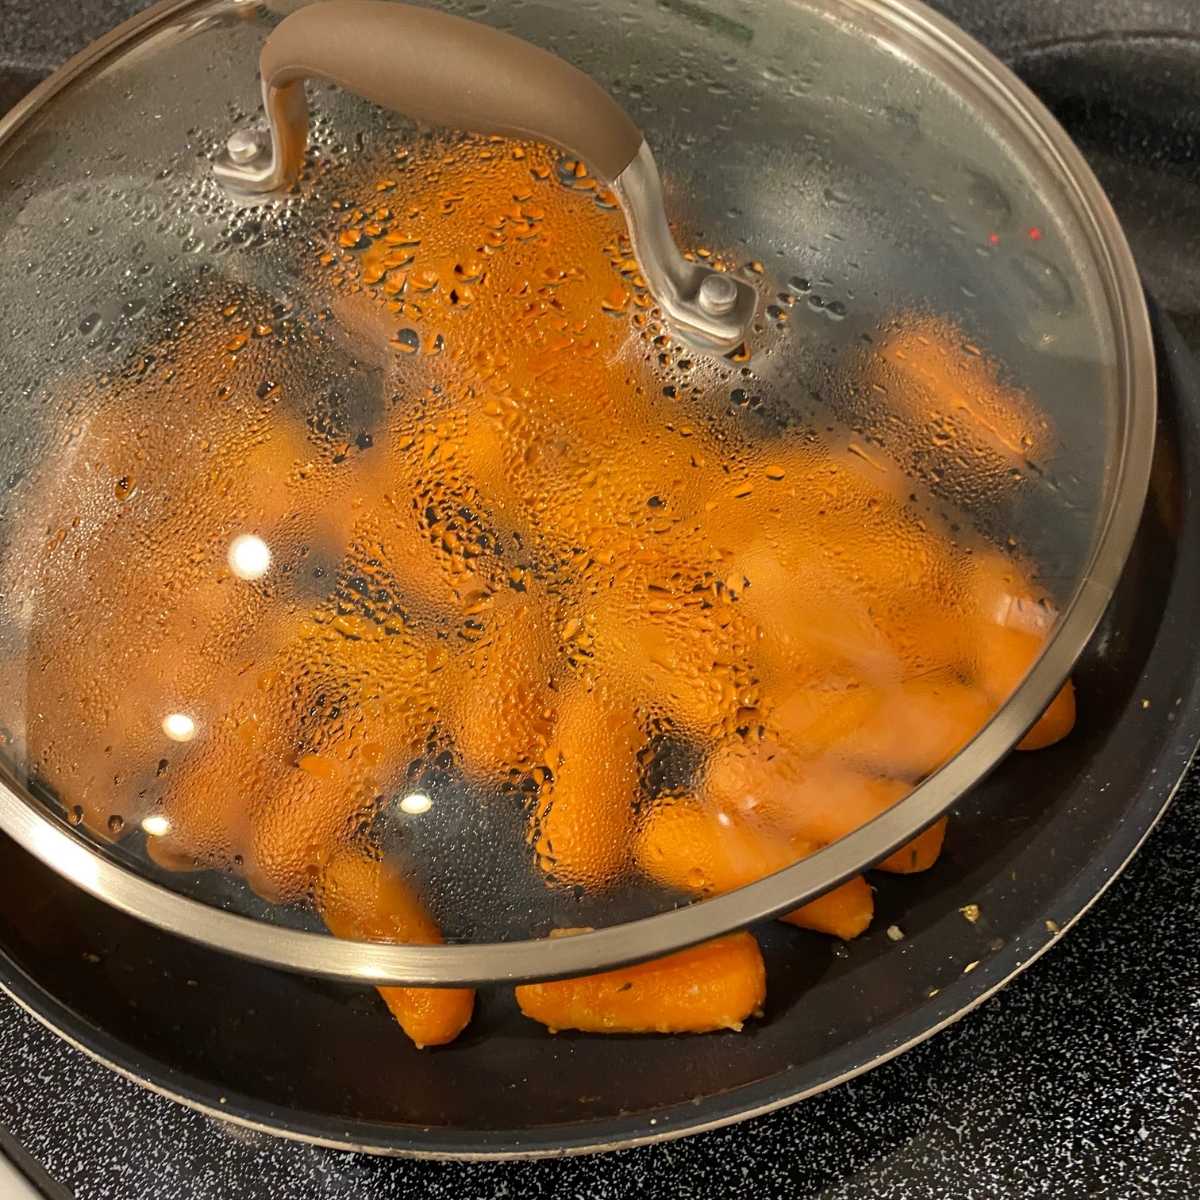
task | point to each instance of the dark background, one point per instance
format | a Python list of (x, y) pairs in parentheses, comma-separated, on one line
[(1082, 1079)]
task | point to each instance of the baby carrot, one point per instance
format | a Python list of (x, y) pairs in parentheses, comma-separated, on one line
[(716, 985), (361, 898), (584, 815), (707, 852)]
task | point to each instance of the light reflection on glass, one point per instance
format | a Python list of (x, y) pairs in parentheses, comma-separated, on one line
[(156, 825), (179, 727), (416, 803), (249, 556)]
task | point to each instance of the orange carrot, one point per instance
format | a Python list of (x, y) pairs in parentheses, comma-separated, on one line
[(918, 855), (1004, 655), (361, 898), (584, 815), (716, 985), (844, 912), (706, 852)]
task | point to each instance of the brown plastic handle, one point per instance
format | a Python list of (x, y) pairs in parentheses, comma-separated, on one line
[(445, 70)]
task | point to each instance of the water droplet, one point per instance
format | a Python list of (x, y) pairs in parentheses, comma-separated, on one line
[(407, 340)]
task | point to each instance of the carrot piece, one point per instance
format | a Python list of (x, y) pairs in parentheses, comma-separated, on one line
[(716, 985), (817, 801), (497, 697), (1055, 723), (815, 720), (298, 814), (304, 804), (852, 567), (1002, 594), (937, 376), (243, 762), (1003, 657), (844, 912), (707, 852), (361, 898), (918, 855), (921, 724), (581, 825), (492, 457), (678, 659)]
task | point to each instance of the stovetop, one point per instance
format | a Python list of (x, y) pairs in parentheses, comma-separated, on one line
[(1081, 1079)]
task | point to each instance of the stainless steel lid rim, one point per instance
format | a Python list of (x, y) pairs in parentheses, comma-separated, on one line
[(375, 963)]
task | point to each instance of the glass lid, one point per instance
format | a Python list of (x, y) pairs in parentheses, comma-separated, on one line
[(412, 549)]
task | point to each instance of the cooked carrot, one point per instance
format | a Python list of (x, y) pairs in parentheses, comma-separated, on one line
[(844, 912), (490, 447), (1055, 723), (999, 592), (361, 898), (497, 695), (707, 852), (851, 568), (206, 801), (676, 656), (935, 374), (816, 720), (329, 770), (296, 818), (419, 557), (920, 725), (918, 855), (717, 985), (817, 801), (582, 822), (1003, 657)]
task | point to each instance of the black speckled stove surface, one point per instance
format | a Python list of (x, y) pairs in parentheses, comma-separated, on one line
[(1082, 1079)]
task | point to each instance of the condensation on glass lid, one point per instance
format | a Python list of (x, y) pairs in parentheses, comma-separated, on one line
[(470, 574)]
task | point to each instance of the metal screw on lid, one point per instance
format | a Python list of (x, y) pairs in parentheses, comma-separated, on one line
[(243, 146), (718, 294)]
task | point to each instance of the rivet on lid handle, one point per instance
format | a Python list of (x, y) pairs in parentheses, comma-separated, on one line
[(412, 60)]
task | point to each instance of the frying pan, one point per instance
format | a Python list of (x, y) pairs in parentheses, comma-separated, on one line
[(1032, 848), (289, 1047)]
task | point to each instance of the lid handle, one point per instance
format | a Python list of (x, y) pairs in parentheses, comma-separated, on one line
[(445, 70)]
